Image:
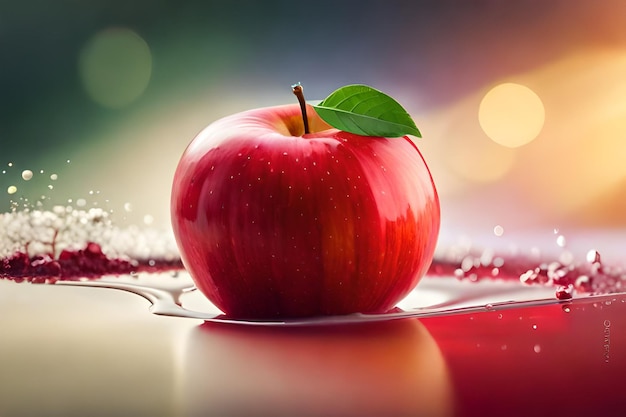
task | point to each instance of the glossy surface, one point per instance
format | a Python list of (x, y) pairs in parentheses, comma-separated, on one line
[(89, 351), (273, 224)]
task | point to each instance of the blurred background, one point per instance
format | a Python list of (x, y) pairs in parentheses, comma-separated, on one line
[(522, 105)]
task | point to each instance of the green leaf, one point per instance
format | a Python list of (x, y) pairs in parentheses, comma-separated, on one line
[(363, 110)]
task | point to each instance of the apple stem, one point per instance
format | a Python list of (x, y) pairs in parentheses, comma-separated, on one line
[(299, 92)]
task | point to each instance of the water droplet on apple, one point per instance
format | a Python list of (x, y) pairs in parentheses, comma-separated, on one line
[(537, 348)]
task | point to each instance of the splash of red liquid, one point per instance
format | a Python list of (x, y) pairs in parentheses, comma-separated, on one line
[(590, 277), (89, 262), (586, 277)]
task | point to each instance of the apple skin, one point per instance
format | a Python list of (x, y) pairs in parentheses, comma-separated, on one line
[(273, 223)]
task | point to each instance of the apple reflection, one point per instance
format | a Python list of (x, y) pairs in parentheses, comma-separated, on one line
[(392, 368)]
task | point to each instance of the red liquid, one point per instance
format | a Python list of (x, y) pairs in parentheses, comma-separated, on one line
[(537, 361), (586, 277), (590, 277), (70, 265), (561, 359)]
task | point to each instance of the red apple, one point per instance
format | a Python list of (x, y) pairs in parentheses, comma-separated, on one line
[(272, 222)]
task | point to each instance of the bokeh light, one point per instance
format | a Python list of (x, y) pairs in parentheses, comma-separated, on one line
[(115, 66), (511, 114)]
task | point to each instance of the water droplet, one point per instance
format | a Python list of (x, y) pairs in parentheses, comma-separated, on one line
[(81, 202), (503, 347), (528, 277), (486, 257), (593, 256), (12, 189), (498, 230), (148, 219), (128, 207), (488, 307), (534, 327), (583, 283), (564, 292), (566, 309), (467, 263), (54, 177), (27, 174), (537, 348), (500, 316), (560, 241)]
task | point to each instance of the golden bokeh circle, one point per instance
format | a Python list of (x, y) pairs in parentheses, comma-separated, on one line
[(512, 115)]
